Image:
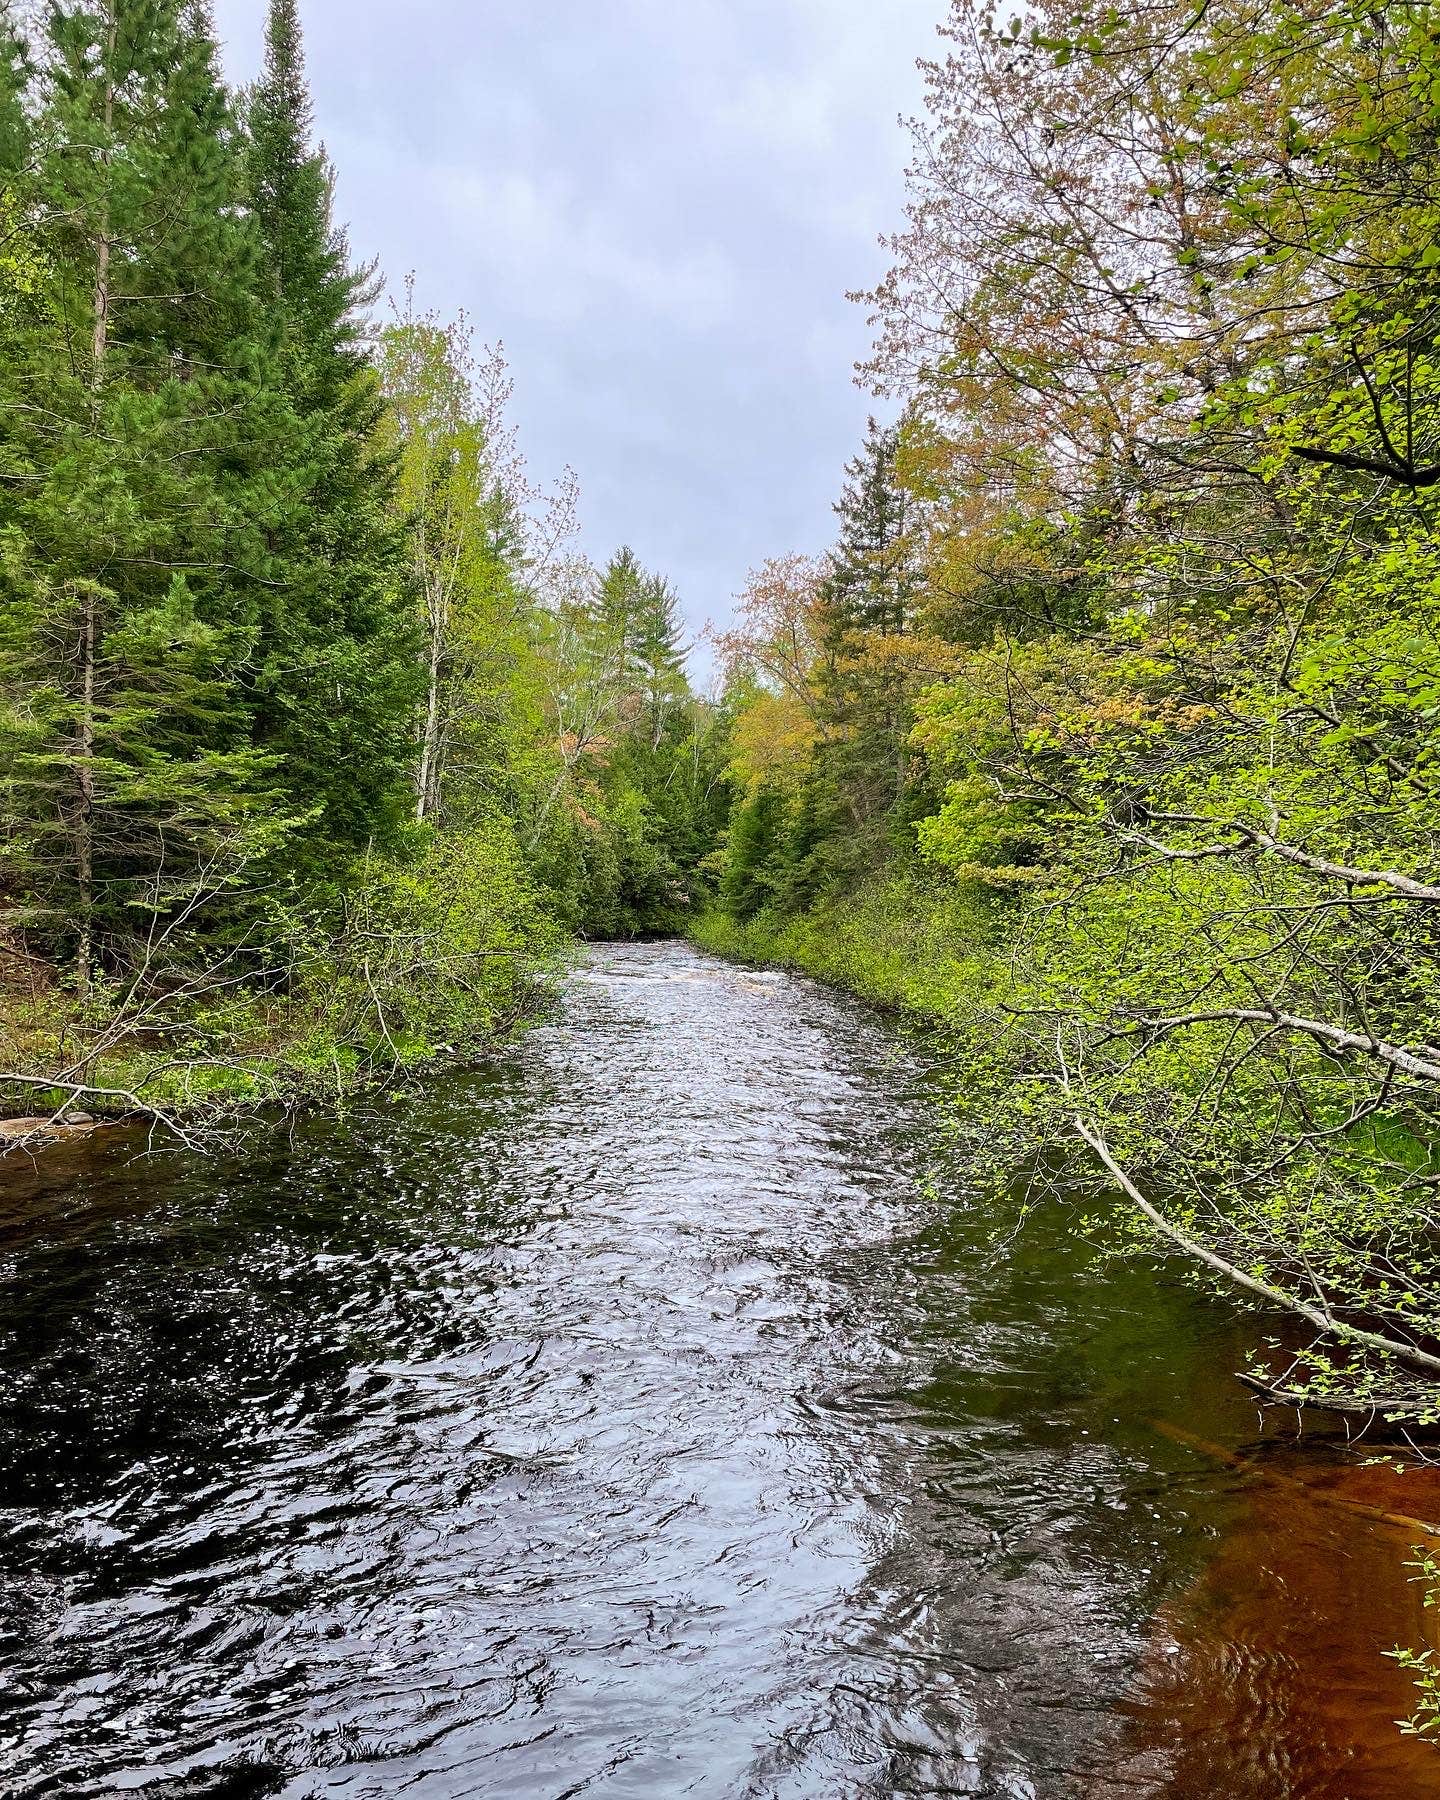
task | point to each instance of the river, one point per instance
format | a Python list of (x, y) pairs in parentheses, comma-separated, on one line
[(654, 1412)]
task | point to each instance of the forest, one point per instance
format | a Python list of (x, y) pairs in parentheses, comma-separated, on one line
[(590, 1208), (1104, 737), (1106, 733), (319, 735)]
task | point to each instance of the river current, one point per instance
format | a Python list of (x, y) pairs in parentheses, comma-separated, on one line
[(656, 1411)]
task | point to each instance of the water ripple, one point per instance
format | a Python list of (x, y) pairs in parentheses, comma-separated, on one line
[(625, 1420)]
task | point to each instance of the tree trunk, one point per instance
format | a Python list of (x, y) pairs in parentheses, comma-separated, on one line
[(100, 341), (89, 615), (85, 776), (427, 780)]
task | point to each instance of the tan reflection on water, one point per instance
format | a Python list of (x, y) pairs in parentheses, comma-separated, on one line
[(1268, 1680)]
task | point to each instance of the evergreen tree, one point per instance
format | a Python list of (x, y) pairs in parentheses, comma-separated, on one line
[(19, 243), (291, 190), (659, 656), (638, 623), (869, 599), (15, 73), (809, 860), (754, 867), (619, 601), (137, 426), (874, 576), (335, 688)]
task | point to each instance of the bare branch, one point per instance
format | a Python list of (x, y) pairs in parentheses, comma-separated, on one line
[(1318, 1316)]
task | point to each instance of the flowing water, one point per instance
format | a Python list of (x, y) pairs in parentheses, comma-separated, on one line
[(656, 1412)]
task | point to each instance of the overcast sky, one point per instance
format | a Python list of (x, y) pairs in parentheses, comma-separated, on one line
[(658, 205)]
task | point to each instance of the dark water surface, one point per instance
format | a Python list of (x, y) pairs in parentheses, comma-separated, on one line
[(652, 1414)]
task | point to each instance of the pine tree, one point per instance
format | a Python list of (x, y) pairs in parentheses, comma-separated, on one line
[(336, 659), (659, 655), (869, 597), (754, 867), (15, 74), (619, 602), (638, 624), (136, 425), (19, 246), (874, 576), (810, 849), (291, 189)]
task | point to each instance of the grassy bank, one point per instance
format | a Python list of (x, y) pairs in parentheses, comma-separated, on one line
[(896, 941), (1048, 1074), (410, 967)]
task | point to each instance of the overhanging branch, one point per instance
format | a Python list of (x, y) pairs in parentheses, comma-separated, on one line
[(1320, 1317)]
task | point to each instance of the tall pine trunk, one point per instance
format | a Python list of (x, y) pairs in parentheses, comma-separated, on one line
[(89, 613), (85, 776)]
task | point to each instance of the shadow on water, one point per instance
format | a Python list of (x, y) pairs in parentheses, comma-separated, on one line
[(633, 1420)]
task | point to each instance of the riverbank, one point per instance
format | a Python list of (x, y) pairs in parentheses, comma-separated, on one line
[(189, 1063), (900, 948), (190, 1095), (897, 943), (1019, 1045)]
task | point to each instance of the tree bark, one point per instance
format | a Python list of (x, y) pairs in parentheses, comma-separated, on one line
[(89, 615), (426, 780), (85, 778)]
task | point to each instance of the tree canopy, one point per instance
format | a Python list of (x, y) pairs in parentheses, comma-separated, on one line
[(1122, 671), (317, 733)]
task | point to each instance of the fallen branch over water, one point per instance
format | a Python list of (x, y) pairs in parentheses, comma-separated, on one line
[(1369, 1409), (120, 1103), (1319, 1316)]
